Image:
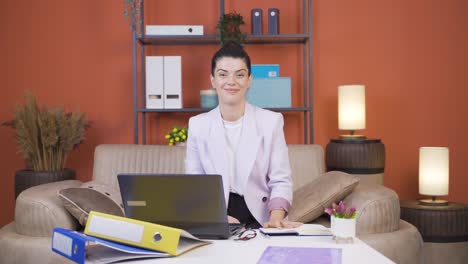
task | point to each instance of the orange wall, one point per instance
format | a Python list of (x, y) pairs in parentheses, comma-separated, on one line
[(410, 54)]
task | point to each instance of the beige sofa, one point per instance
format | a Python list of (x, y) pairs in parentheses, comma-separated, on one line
[(38, 209)]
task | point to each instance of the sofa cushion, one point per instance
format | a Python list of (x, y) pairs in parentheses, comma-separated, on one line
[(38, 210), (310, 201), (91, 196), (307, 163)]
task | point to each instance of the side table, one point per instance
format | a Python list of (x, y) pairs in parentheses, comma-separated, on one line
[(444, 230), (364, 158)]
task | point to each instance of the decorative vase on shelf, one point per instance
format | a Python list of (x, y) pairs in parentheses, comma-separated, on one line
[(343, 229)]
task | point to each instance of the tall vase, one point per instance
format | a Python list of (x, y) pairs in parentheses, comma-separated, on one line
[(343, 229), (25, 179)]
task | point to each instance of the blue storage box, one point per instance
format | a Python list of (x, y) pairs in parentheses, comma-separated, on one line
[(270, 92), (208, 98), (265, 70)]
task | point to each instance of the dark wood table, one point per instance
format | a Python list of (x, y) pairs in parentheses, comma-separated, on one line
[(437, 223)]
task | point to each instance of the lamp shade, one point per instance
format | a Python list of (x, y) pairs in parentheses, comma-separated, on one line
[(433, 170), (351, 107)]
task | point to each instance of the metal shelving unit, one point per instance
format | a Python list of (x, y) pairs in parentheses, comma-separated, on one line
[(304, 39)]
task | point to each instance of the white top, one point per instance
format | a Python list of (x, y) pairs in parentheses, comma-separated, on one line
[(232, 131)]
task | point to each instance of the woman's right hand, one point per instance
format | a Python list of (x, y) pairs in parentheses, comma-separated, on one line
[(233, 220)]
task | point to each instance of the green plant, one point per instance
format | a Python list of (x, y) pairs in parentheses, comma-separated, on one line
[(45, 137), (132, 12), (229, 28), (176, 135)]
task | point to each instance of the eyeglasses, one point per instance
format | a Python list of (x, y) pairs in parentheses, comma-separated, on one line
[(247, 234)]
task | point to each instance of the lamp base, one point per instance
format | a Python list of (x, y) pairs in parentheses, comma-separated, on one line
[(352, 137), (432, 202)]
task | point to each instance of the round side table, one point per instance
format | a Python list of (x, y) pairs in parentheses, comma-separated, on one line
[(444, 230), (437, 223), (364, 158)]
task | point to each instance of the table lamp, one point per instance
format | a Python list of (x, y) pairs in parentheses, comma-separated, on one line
[(433, 174), (351, 110)]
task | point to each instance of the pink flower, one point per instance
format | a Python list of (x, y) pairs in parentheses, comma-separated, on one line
[(341, 210), (329, 211)]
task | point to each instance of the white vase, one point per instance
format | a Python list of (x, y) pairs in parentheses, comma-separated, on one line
[(343, 229)]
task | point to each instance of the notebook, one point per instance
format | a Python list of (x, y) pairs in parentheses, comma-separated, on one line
[(303, 230), (191, 202)]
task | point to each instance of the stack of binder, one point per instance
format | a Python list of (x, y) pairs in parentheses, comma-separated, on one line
[(108, 238), (163, 82)]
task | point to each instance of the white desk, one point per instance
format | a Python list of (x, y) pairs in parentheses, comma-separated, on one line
[(246, 252)]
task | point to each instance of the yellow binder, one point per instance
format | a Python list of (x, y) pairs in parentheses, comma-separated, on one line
[(141, 234)]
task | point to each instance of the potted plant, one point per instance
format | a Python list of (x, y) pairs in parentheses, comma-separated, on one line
[(132, 11), (342, 221), (177, 136), (45, 138), (229, 28)]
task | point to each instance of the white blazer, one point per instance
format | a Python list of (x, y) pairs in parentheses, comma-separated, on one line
[(262, 155)]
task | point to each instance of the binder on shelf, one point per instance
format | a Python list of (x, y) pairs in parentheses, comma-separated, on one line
[(174, 30), (273, 21), (154, 82), (143, 234), (256, 21), (172, 82), (82, 248)]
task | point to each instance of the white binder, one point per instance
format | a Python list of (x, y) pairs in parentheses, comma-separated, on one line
[(154, 82), (172, 82), (170, 30)]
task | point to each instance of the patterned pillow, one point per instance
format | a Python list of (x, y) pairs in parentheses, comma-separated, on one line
[(91, 196), (310, 201)]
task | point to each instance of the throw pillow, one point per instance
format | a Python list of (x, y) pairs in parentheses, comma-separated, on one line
[(310, 201), (91, 197)]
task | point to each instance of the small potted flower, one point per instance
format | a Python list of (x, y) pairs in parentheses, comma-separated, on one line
[(177, 136), (343, 221)]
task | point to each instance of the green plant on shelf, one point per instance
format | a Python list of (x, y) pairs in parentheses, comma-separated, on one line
[(229, 28), (176, 135), (132, 11)]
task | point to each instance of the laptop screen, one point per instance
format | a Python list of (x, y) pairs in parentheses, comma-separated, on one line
[(191, 202)]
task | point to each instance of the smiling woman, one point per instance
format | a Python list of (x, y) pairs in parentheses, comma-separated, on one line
[(231, 81), (243, 143), (231, 77)]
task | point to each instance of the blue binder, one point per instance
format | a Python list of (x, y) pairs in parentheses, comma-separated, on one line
[(256, 21), (273, 21), (79, 248)]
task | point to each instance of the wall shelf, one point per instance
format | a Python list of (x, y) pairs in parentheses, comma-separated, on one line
[(304, 39)]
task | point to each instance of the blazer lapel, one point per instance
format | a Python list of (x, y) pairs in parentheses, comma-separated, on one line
[(248, 145), (216, 144)]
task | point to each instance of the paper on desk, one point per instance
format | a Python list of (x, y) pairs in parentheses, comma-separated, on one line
[(303, 230), (300, 255)]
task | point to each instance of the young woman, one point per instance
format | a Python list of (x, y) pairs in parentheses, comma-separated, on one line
[(243, 143)]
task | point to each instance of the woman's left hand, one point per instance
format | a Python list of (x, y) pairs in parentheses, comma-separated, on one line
[(282, 224), (277, 220)]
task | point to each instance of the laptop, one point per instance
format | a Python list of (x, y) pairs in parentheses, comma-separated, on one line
[(191, 202)]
